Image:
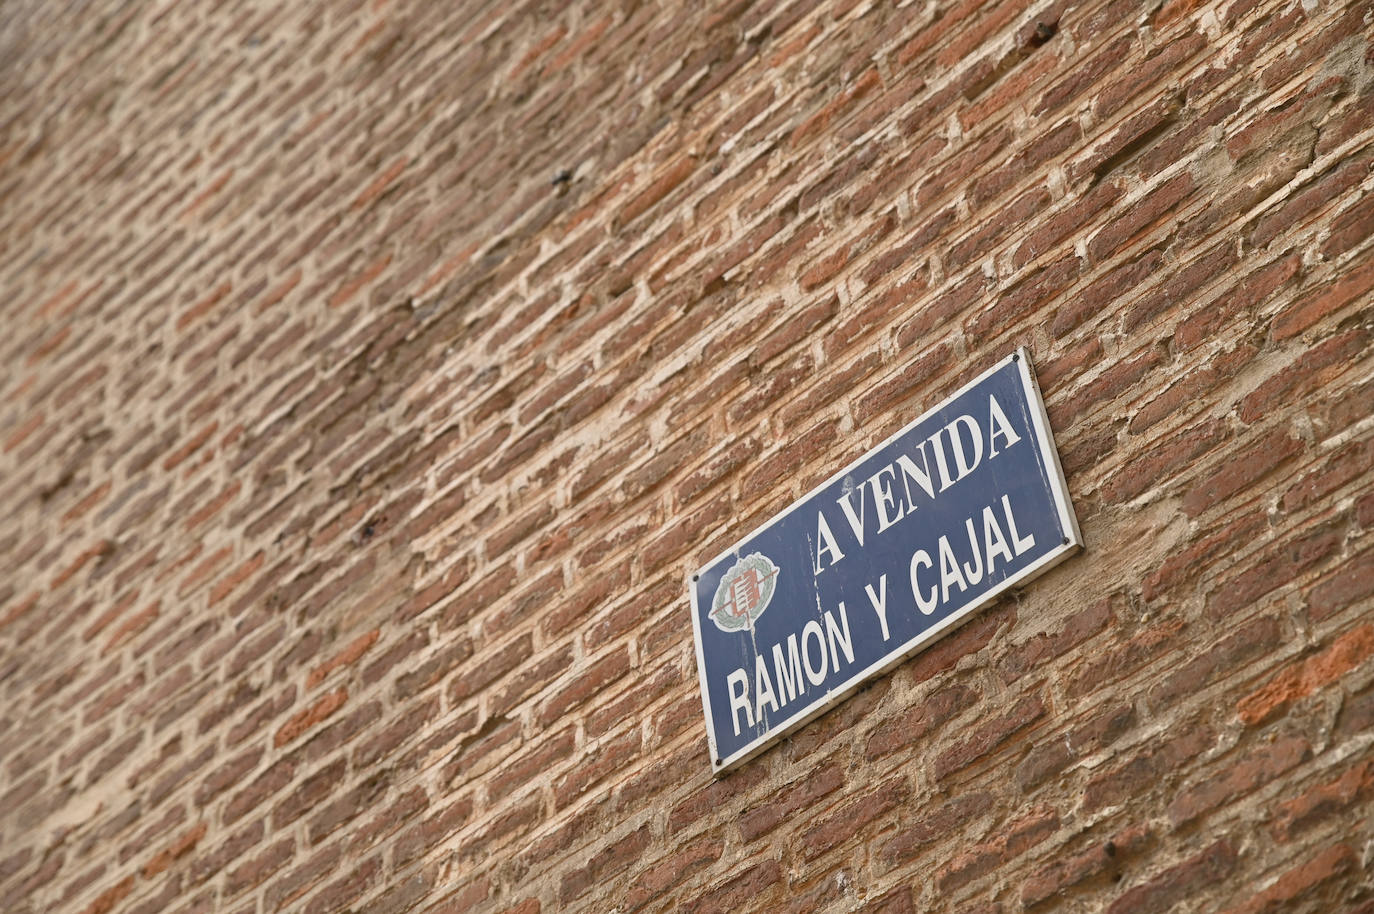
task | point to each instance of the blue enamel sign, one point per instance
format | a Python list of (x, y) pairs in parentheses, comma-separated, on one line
[(887, 555)]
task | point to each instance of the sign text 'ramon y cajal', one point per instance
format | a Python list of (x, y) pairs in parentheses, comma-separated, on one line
[(887, 555)]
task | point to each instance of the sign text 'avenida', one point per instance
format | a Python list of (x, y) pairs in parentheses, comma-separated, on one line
[(893, 551)]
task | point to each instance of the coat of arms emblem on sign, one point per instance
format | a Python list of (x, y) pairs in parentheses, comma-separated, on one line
[(744, 592)]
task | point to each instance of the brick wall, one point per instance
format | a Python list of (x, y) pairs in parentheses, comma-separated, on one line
[(374, 372)]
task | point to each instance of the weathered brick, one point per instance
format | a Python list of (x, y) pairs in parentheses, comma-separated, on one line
[(1313, 369), (613, 859), (309, 717), (1075, 868), (1301, 679), (749, 884), (1146, 771), (979, 860), (1230, 655), (1180, 881), (424, 836), (849, 820), (1301, 880), (1324, 801), (990, 736), (912, 838), (584, 685), (1155, 465), (1242, 776), (426, 355), (347, 656)]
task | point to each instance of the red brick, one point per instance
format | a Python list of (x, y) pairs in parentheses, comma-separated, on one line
[(1070, 870), (97, 551), (308, 794), (1025, 298), (1231, 655), (1179, 882), (1349, 585), (1142, 216), (1155, 466), (341, 893), (1330, 800), (615, 858), (760, 820), (989, 736), (918, 722), (913, 838), (179, 848), (1068, 221), (1274, 567), (609, 757), (201, 308), (1156, 765), (350, 654), (131, 626), (672, 177), (678, 866), (1313, 370), (584, 686), (1305, 677), (108, 899), (311, 716), (1111, 384), (981, 859), (229, 582), (745, 886), (1044, 648), (861, 87), (536, 759), (424, 836), (255, 870), (1322, 301), (847, 821), (195, 443), (1344, 466), (1242, 471), (1300, 881), (292, 885), (1240, 777)]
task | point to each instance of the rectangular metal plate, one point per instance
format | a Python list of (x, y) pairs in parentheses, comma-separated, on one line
[(893, 551)]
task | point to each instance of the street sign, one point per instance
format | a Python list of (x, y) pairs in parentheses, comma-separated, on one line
[(887, 555)]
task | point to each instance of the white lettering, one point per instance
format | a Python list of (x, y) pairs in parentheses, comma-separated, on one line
[(856, 523), (788, 671), (941, 462), (826, 539), (1020, 543), (737, 683), (974, 573), (816, 675), (882, 498), (926, 605), (763, 688), (962, 461), (836, 640), (879, 601), (998, 425), (949, 570), (994, 543), (920, 474)]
